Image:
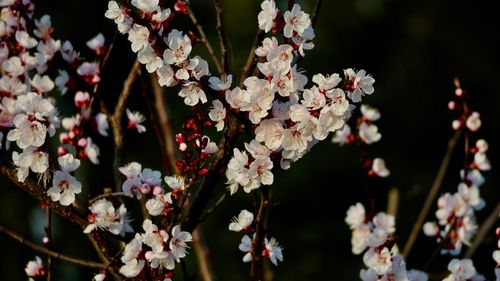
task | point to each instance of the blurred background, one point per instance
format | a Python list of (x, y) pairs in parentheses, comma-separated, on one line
[(414, 50)]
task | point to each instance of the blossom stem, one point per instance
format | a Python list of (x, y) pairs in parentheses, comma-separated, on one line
[(49, 253), (222, 37), (483, 231), (436, 185), (204, 39), (256, 272)]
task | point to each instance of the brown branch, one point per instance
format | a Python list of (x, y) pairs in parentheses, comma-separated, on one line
[(483, 231), (163, 113), (203, 256), (204, 39), (252, 59), (256, 273), (116, 124), (393, 201), (100, 243), (222, 37), (432, 193), (49, 253), (32, 187)]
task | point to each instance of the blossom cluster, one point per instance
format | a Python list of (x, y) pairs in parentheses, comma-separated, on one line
[(155, 246), (244, 224), (289, 119), (366, 133), (374, 237), (456, 224), (64, 185)]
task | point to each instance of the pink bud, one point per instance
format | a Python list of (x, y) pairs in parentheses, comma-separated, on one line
[(456, 124), (82, 99), (63, 138), (82, 142), (61, 151), (145, 188), (459, 92), (183, 146), (157, 190), (45, 240), (452, 105)]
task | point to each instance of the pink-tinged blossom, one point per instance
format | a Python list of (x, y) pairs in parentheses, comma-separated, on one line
[(356, 216), (268, 45), (148, 56), (35, 268), (370, 113), (473, 122), (27, 133), (267, 15), (273, 250), (131, 170), (270, 132), (99, 277), (246, 247), (295, 21), (361, 84), (62, 81), (13, 66), (43, 27), (97, 44), (326, 83), (222, 84), (343, 135), (378, 259), (64, 187), (192, 94), (179, 48), (147, 6), (158, 205), (91, 151), (178, 242), (132, 268), (242, 222), (25, 40), (369, 133), (217, 114), (462, 270), (138, 37), (134, 121), (379, 169), (89, 72), (166, 76), (103, 215), (30, 159), (102, 124)]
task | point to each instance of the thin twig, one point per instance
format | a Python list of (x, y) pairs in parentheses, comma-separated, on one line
[(204, 39), (432, 194), (256, 273), (48, 252), (48, 232), (203, 256), (222, 37), (163, 113), (116, 122), (107, 195), (249, 66), (315, 12), (211, 210), (483, 231)]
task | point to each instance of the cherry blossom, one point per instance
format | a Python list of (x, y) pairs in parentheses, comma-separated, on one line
[(242, 222), (134, 121), (104, 216), (35, 268)]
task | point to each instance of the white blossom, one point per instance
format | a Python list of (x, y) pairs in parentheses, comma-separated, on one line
[(242, 222)]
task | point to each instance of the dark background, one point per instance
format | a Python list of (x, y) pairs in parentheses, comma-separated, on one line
[(414, 49)]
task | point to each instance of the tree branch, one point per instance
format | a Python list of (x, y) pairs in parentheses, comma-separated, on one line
[(116, 124), (315, 12), (163, 113), (49, 253), (222, 37), (204, 39), (203, 256), (256, 273), (436, 185)]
